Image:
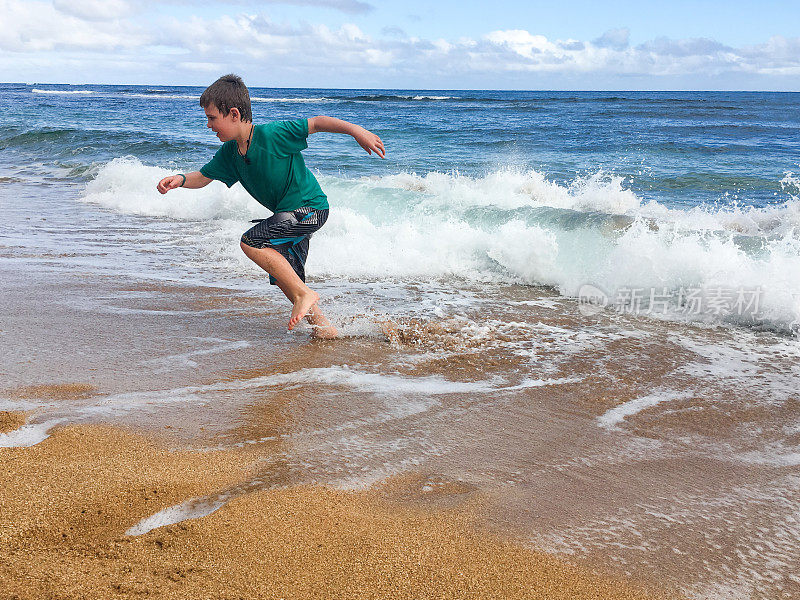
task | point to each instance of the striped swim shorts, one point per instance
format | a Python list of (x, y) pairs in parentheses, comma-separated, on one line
[(289, 234)]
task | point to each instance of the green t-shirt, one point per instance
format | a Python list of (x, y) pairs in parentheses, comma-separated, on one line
[(277, 175)]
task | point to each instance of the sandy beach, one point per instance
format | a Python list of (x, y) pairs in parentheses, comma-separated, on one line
[(429, 463), (66, 503)]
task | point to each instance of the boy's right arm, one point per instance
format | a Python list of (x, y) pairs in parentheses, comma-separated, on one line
[(194, 180)]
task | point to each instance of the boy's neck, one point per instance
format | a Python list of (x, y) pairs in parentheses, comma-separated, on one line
[(245, 131)]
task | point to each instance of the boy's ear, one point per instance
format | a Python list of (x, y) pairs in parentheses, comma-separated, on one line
[(234, 112)]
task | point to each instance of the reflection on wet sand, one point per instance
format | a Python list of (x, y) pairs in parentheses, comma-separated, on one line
[(635, 446)]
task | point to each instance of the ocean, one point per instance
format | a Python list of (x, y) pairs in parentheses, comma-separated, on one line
[(584, 306)]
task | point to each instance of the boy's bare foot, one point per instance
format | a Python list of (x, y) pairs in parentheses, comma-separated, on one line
[(324, 332), (301, 307), (321, 327)]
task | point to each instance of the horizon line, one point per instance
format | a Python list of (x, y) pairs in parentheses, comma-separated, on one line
[(425, 89)]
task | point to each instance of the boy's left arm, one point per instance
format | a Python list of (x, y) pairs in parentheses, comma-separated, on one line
[(366, 139)]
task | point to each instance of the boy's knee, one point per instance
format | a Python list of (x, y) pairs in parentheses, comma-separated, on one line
[(252, 250)]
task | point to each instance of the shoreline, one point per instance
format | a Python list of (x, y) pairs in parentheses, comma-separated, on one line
[(67, 502), (510, 395)]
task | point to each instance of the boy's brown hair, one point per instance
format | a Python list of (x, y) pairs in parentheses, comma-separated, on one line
[(227, 92)]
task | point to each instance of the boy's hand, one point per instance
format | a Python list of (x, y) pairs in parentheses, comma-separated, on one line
[(366, 139), (370, 142), (169, 183)]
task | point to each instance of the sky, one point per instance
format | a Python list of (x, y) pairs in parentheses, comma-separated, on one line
[(415, 44)]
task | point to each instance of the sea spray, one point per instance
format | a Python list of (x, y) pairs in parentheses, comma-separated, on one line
[(507, 227)]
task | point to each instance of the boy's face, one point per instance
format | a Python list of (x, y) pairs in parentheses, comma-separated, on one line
[(223, 125)]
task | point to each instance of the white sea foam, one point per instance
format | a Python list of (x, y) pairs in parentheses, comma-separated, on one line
[(7, 404), (191, 509), (774, 455), (128, 186), (510, 189), (389, 387), (618, 414), (38, 91), (432, 385), (165, 96), (28, 435), (402, 396), (294, 100), (593, 230), (791, 184), (184, 360), (531, 383), (740, 364)]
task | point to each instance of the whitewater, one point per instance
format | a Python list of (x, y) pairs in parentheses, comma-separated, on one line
[(508, 227)]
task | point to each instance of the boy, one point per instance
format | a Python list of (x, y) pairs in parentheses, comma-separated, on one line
[(266, 159)]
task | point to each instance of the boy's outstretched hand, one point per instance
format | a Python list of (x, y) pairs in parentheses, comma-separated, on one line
[(370, 142), (170, 183), (366, 139)]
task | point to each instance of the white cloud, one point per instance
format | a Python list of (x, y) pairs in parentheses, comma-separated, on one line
[(442, 45), (616, 39), (684, 48), (353, 7), (92, 34), (96, 10), (346, 6), (524, 43), (203, 67), (612, 54), (378, 58), (352, 33), (778, 53), (39, 26)]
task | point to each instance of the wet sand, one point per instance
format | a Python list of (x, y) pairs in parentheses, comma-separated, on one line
[(9, 421), (657, 452), (66, 503)]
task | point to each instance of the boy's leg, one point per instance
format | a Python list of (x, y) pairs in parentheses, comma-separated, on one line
[(303, 298), (298, 293), (279, 245)]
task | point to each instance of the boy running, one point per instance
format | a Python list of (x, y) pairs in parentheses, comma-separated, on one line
[(266, 159)]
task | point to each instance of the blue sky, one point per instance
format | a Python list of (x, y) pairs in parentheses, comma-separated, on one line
[(414, 44)]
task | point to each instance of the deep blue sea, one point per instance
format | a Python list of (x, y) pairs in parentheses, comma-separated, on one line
[(678, 148)]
